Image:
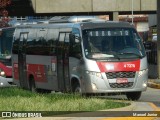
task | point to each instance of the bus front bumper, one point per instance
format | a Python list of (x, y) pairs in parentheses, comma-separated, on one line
[(6, 82)]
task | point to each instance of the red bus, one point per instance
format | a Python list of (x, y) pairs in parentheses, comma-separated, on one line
[(6, 37)]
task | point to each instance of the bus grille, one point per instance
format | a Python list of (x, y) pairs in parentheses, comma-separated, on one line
[(121, 85), (125, 74)]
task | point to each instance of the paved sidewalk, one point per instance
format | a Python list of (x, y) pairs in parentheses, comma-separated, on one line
[(154, 83)]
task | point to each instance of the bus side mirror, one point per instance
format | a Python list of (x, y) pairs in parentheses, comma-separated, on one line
[(72, 38)]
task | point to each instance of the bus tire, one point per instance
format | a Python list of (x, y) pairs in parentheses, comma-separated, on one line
[(76, 88), (43, 91), (133, 95), (32, 85)]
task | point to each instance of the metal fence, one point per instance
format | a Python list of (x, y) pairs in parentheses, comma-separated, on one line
[(151, 51)]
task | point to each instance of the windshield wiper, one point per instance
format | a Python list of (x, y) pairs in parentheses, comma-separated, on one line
[(140, 56), (113, 53)]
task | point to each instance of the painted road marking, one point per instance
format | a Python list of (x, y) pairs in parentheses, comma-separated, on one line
[(137, 118), (131, 118)]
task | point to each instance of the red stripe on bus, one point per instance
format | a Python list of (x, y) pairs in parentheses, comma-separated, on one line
[(15, 72), (7, 70), (38, 71), (119, 66)]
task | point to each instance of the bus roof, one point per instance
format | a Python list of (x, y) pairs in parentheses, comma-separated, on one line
[(6, 28), (107, 24), (83, 25), (85, 22)]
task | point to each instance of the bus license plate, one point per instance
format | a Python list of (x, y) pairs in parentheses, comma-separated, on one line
[(122, 80)]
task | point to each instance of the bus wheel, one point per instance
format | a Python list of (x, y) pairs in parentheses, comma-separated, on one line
[(43, 91), (133, 95), (76, 88), (32, 85)]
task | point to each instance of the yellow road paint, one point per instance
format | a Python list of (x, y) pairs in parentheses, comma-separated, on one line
[(154, 107), (138, 118), (130, 118)]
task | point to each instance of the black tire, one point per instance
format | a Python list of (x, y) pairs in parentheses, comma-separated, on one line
[(133, 95), (32, 85), (76, 89), (43, 91)]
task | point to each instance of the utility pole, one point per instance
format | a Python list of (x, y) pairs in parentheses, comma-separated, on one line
[(132, 12), (4, 12), (158, 37)]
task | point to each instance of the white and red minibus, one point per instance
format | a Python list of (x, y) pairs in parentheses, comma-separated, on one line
[(80, 54)]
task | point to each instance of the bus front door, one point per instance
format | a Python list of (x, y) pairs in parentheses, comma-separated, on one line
[(63, 62), (22, 60)]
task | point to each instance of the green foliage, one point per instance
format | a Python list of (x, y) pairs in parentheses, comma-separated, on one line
[(16, 99)]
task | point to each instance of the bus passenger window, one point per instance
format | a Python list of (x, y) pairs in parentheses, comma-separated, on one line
[(15, 42), (52, 36), (75, 49), (31, 41)]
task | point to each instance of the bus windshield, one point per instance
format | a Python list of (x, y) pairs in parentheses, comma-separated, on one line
[(112, 43), (6, 36)]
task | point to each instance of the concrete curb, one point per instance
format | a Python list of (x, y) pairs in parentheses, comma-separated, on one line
[(152, 84), (99, 113), (127, 108)]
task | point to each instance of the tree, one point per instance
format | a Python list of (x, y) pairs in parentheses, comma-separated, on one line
[(4, 12)]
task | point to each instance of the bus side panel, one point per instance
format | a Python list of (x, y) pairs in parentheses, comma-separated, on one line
[(77, 70), (41, 67), (38, 71), (15, 73), (143, 64)]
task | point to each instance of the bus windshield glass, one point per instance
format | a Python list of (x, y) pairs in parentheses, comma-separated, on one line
[(6, 36), (112, 43)]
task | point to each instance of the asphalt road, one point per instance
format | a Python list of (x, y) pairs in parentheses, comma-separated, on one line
[(151, 95)]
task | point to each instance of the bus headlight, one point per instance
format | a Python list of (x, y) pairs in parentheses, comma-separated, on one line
[(1, 84), (97, 74), (141, 72), (144, 85), (94, 87), (2, 73)]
